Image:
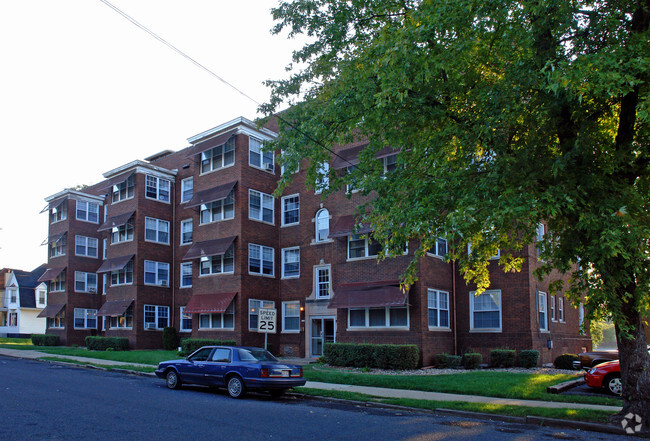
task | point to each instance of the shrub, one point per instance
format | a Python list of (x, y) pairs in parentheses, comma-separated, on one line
[(363, 355), (170, 338), (190, 345), (565, 361), (95, 343), (472, 360), (528, 358), (446, 361), (45, 340), (503, 358)]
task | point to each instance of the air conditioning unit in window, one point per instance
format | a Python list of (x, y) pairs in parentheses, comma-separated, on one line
[(149, 326), (92, 290), (162, 283), (269, 167)]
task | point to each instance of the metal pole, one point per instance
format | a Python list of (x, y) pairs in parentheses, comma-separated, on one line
[(266, 336)]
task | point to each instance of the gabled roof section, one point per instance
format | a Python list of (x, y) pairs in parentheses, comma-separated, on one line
[(241, 125), (139, 166)]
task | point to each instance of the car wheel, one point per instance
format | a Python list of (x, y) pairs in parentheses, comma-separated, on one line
[(172, 379), (613, 384), (236, 388)]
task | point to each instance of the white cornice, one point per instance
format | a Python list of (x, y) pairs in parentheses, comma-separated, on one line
[(76, 194), (140, 167), (243, 125)]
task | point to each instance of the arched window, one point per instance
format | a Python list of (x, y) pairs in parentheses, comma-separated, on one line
[(322, 225)]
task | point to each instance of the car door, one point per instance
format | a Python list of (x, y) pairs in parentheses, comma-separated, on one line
[(217, 366), (195, 369)]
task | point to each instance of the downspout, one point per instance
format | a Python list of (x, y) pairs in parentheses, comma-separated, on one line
[(453, 294), (173, 239)]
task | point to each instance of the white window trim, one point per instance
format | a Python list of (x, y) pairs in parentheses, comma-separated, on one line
[(283, 211), (126, 189), (222, 204), (542, 307), (158, 282), (86, 239), (259, 150), (387, 316), (560, 309), (222, 256), (284, 316), (437, 292), (88, 204), (223, 165), (317, 282), (316, 225), (366, 247), (125, 273), (74, 321), (261, 251), (157, 198), (262, 197), (157, 310), (183, 183), (86, 288), (180, 282), (437, 253), (157, 230), (180, 326), (471, 312), (283, 251), (222, 316), (322, 179), (185, 221), (263, 304), (553, 309)]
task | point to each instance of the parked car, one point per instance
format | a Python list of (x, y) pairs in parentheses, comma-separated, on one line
[(234, 367), (607, 376), (588, 360)]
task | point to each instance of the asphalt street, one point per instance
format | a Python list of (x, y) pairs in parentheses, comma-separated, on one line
[(43, 401)]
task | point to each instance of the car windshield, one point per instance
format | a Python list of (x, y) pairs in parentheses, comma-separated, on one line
[(251, 354)]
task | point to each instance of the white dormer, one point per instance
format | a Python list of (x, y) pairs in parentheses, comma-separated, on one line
[(41, 295), (12, 292)]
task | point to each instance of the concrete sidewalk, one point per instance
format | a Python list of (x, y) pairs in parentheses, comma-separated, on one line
[(374, 391)]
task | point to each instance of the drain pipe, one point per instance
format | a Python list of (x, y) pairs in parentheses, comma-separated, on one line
[(453, 293)]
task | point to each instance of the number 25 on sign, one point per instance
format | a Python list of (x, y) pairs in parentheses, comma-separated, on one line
[(267, 321)]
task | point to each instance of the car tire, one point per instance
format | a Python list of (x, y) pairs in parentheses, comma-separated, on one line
[(172, 379), (612, 384), (235, 387)]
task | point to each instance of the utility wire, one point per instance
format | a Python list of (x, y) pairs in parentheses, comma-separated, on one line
[(202, 67)]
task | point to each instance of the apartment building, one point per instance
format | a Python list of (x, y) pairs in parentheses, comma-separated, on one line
[(195, 239)]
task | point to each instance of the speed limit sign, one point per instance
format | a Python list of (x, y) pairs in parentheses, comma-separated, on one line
[(267, 321)]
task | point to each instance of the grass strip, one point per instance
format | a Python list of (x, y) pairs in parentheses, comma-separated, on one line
[(103, 366), (151, 357), (588, 415)]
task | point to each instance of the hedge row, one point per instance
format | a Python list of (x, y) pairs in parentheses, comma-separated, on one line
[(189, 345), (45, 340), (372, 356), (96, 343), (498, 358)]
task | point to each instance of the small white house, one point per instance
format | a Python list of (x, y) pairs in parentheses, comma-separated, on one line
[(23, 298)]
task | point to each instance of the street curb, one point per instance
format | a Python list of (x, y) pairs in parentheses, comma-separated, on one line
[(580, 425)]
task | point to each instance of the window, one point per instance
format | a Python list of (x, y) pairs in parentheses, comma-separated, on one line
[(156, 273), (253, 310), (59, 213), (41, 297), (291, 262), (388, 317), (156, 230), (123, 190), (581, 315), (123, 321), (353, 185), (157, 188), (218, 210), (58, 284), (13, 319), (440, 248), (13, 295), (260, 206), (57, 248), (260, 260), (225, 320), (186, 320), (85, 318), (290, 316), (186, 231), (85, 282), (540, 238), (186, 274), (218, 157), (187, 189), (219, 264), (256, 157), (485, 311), (156, 317), (104, 282), (87, 211), (438, 305), (323, 179), (389, 163), (123, 276), (104, 248), (58, 321), (360, 246), (123, 233), (86, 246), (553, 317), (322, 225), (291, 210), (541, 311), (322, 280), (560, 309)]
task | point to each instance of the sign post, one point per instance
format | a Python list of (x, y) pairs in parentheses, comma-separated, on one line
[(266, 322)]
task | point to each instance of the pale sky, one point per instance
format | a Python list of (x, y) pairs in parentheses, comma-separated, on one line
[(83, 90)]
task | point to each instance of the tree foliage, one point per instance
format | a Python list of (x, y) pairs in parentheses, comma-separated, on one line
[(506, 114)]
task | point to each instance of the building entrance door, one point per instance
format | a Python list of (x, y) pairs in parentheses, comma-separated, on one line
[(322, 331)]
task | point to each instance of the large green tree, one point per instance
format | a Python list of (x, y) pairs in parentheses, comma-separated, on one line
[(506, 114)]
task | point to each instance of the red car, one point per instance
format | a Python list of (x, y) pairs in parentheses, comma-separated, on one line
[(607, 376)]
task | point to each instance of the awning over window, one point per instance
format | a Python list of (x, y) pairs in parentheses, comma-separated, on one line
[(114, 308), (50, 311), (215, 247), (116, 221), (54, 204), (211, 194), (350, 157), (50, 274), (211, 143), (344, 226), (116, 181), (209, 303), (54, 238), (368, 295), (114, 264)]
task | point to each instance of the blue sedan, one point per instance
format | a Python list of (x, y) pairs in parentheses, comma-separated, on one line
[(234, 367)]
